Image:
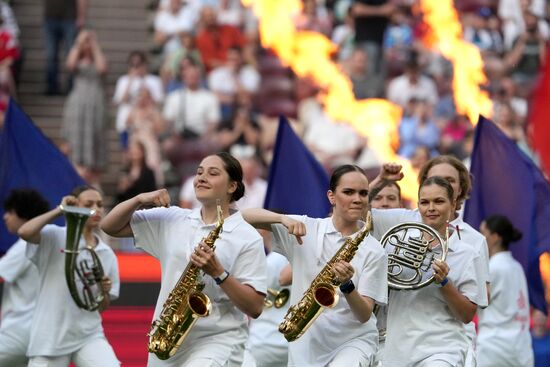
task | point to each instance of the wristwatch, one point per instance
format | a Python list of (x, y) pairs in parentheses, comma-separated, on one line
[(223, 276), (347, 287)]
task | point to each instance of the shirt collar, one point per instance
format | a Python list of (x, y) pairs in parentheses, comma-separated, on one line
[(229, 223)]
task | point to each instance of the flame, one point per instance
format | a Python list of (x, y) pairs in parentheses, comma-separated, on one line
[(309, 54), (444, 32)]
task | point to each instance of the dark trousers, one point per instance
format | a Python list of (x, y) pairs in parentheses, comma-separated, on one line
[(56, 31)]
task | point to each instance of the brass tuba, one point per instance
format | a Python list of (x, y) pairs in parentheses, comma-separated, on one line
[(321, 293), (184, 305), (79, 272), (279, 298), (412, 247)]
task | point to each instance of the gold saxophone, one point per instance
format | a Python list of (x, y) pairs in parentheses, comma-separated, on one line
[(184, 305), (321, 293)]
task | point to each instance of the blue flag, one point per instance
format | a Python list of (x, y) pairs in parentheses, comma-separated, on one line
[(507, 182), (297, 184), (29, 160)]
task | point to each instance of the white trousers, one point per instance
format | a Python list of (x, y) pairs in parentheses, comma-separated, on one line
[(97, 352)]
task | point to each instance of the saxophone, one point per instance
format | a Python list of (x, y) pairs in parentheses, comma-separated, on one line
[(184, 305), (321, 293)]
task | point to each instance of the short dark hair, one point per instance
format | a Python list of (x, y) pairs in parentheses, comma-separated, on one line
[(138, 53), (376, 190), (439, 181), (502, 226), (342, 170), (26, 203), (235, 172)]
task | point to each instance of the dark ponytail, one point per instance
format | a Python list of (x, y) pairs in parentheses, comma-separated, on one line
[(502, 226), (235, 172)]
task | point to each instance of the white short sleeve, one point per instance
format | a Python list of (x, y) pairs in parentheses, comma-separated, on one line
[(282, 241), (373, 281), (51, 237), (14, 262), (250, 266), (147, 226), (467, 284)]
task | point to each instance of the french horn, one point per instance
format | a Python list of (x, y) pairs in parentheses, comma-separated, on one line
[(412, 247)]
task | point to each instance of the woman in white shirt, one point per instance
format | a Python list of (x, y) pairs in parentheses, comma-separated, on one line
[(504, 338), (345, 335), (61, 332), (425, 327), (234, 273), (458, 176)]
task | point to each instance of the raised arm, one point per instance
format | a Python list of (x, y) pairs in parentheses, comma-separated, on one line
[(262, 219), (30, 231), (117, 222), (389, 172)]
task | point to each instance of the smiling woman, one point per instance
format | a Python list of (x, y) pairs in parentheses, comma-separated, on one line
[(233, 274)]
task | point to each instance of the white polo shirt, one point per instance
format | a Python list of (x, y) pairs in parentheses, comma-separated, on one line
[(18, 297), (384, 219), (504, 338), (420, 324), (335, 328), (171, 235), (266, 343), (192, 109), (59, 326)]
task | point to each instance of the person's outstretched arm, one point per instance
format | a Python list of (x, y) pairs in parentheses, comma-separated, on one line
[(262, 218), (117, 222)]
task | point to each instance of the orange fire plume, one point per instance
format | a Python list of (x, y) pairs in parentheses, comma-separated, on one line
[(445, 34), (309, 54)]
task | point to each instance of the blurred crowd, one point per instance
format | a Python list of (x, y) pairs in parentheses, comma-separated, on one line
[(208, 85)]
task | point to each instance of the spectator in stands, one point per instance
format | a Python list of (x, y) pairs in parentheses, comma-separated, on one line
[(256, 186), (20, 278), (128, 87), (9, 54), (420, 157), (242, 129), (84, 115), (231, 12), (186, 53), (343, 36), (371, 20), (505, 118), (365, 84), (233, 78), (513, 22), (62, 19), (146, 124), (138, 177), (214, 39), (412, 84), (418, 129), (332, 144), (177, 17), (194, 114), (313, 18), (398, 39), (528, 52)]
